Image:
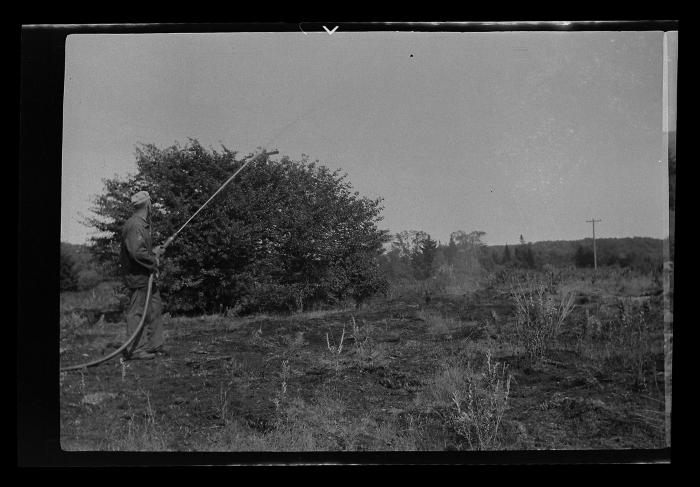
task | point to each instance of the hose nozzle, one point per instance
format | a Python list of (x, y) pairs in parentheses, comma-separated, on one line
[(168, 242)]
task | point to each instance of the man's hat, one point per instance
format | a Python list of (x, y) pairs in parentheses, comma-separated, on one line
[(140, 197)]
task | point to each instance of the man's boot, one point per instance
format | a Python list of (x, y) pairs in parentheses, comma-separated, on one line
[(141, 355)]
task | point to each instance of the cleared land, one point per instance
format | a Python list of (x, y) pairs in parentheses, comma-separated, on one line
[(448, 374)]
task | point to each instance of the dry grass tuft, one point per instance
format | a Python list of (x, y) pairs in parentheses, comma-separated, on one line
[(437, 323), (471, 401), (538, 317)]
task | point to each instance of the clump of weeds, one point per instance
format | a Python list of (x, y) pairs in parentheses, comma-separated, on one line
[(363, 345), (140, 435), (627, 338), (281, 396), (336, 350), (470, 400), (222, 405), (479, 407), (124, 365), (72, 324), (539, 316), (437, 323)]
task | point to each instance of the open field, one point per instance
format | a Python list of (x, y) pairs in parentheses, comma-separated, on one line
[(459, 372)]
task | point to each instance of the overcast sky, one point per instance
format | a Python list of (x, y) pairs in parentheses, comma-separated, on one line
[(508, 133)]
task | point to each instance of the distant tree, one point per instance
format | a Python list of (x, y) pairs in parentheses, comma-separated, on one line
[(394, 266), (451, 251), (637, 253), (424, 259), (440, 257), (506, 256), (524, 255), (464, 239), (405, 247), (583, 257), (519, 255), (69, 274), (88, 273), (490, 260), (470, 251), (408, 243), (529, 257)]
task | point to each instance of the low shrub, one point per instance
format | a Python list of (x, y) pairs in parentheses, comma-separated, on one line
[(480, 407), (539, 316), (88, 279), (437, 323), (471, 400), (69, 273), (630, 337)]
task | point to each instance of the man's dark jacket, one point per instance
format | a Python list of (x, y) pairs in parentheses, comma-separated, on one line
[(137, 258)]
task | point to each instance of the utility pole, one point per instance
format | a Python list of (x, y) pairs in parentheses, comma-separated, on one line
[(595, 257)]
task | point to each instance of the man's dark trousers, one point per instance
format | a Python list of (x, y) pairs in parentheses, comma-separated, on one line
[(153, 326)]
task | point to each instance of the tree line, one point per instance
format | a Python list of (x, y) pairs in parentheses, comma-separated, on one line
[(415, 254)]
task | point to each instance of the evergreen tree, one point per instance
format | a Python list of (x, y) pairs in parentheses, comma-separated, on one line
[(506, 255), (529, 257), (451, 251), (429, 252), (425, 258), (583, 257)]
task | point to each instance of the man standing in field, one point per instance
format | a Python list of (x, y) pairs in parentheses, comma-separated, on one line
[(138, 261)]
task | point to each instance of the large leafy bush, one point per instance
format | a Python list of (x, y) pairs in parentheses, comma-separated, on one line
[(284, 235)]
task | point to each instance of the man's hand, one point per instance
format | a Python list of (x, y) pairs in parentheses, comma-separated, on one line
[(159, 251)]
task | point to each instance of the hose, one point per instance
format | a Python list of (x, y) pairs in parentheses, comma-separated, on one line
[(250, 158), (127, 343)]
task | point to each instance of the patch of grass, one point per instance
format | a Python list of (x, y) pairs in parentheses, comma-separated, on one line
[(326, 425), (322, 424), (606, 281), (281, 397), (319, 314), (470, 400), (479, 408), (72, 322), (295, 342), (106, 295), (364, 347), (140, 430), (273, 394), (445, 283), (334, 348), (238, 436), (437, 323), (625, 340), (230, 321), (538, 317)]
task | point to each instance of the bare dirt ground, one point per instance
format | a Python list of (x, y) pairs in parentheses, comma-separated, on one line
[(284, 383)]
